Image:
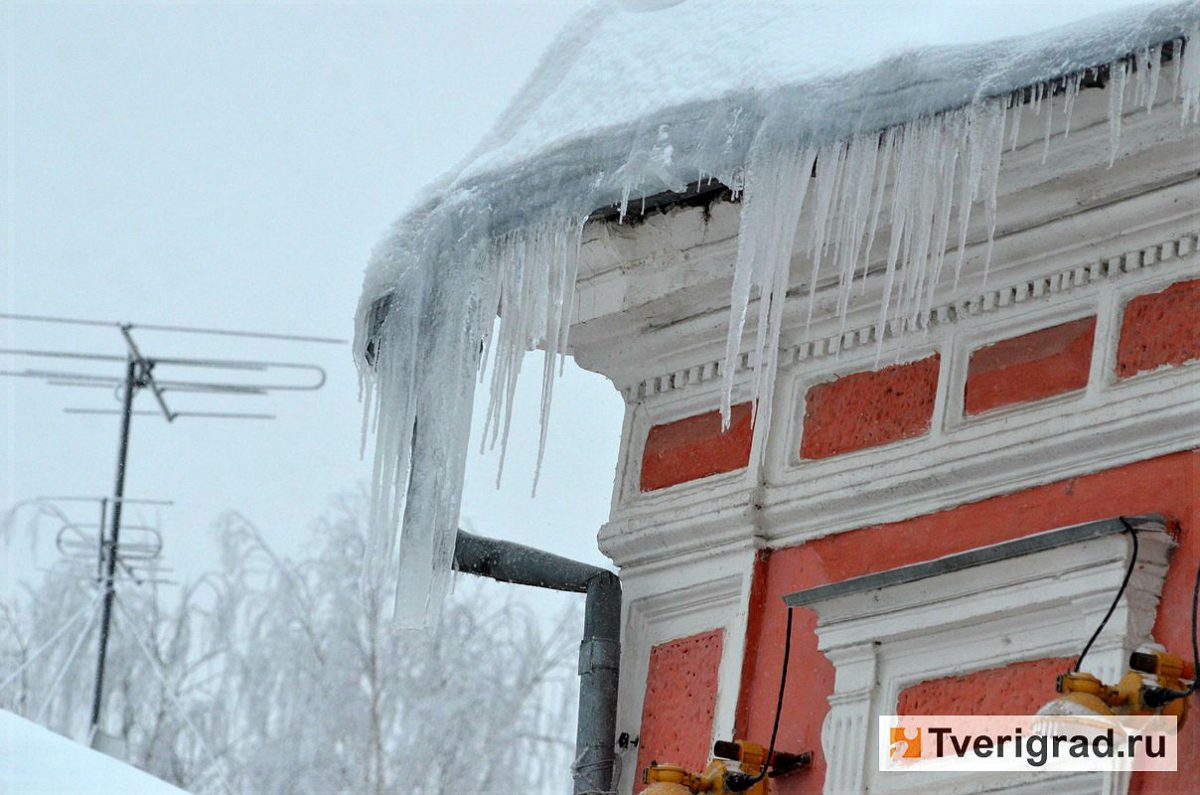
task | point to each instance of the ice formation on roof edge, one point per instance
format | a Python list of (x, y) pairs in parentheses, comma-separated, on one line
[(454, 272)]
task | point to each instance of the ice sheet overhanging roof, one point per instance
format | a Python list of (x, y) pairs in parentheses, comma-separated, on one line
[(636, 98)]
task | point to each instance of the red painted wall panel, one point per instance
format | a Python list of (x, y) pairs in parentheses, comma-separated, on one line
[(681, 694), (1160, 329), (1016, 689), (870, 408), (1169, 485), (695, 447), (1030, 367)]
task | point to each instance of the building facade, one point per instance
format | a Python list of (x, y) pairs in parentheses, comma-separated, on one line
[(1061, 387)]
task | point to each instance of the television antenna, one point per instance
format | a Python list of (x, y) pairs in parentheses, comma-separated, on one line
[(161, 377), (90, 543)]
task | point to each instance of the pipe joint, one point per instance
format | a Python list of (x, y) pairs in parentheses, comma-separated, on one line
[(597, 654)]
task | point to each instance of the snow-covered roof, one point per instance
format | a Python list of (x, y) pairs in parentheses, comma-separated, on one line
[(627, 80), (623, 67), (911, 99), (36, 761)]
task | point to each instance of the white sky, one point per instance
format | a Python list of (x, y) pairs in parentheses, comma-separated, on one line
[(232, 165)]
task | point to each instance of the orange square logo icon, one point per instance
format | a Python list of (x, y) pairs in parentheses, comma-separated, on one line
[(905, 742)]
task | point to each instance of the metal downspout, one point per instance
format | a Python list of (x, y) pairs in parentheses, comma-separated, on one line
[(599, 652)]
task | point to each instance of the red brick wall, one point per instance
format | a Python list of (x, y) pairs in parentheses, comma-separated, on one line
[(695, 447), (1030, 367), (1016, 689), (1159, 329), (869, 408), (681, 694), (1168, 485)]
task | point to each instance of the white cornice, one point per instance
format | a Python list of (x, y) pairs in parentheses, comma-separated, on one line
[(1087, 273)]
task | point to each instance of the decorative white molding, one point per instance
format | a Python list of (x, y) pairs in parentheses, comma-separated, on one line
[(664, 605), (1083, 276), (884, 640), (716, 490), (782, 499)]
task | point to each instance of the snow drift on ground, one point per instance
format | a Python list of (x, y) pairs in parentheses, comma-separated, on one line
[(36, 761)]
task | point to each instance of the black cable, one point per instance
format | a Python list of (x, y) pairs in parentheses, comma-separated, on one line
[(787, 652), (1195, 646), (1117, 600), (740, 782), (1156, 697)]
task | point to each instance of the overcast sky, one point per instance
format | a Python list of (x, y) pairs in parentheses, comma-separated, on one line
[(232, 165)]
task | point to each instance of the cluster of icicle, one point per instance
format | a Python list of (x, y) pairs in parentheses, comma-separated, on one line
[(920, 181), (923, 178), (437, 334)]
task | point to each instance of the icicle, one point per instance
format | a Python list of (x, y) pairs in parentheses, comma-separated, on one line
[(864, 155), (1049, 129), (1116, 101), (421, 387), (776, 185), (1178, 49), (1153, 68), (1069, 101), (899, 216), (941, 238), (928, 145), (829, 170), (535, 277), (991, 158), (565, 262), (1189, 78), (985, 131), (886, 146), (1140, 73), (1016, 119), (429, 341)]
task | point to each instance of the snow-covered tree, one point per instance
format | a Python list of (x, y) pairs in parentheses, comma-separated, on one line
[(279, 675)]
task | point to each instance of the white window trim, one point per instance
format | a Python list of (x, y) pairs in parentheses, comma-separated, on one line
[(1040, 605), (707, 594)]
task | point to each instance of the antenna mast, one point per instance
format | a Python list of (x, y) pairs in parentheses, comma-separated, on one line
[(140, 374)]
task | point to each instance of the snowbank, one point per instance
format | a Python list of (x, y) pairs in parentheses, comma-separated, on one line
[(36, 761), (637, 98)]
